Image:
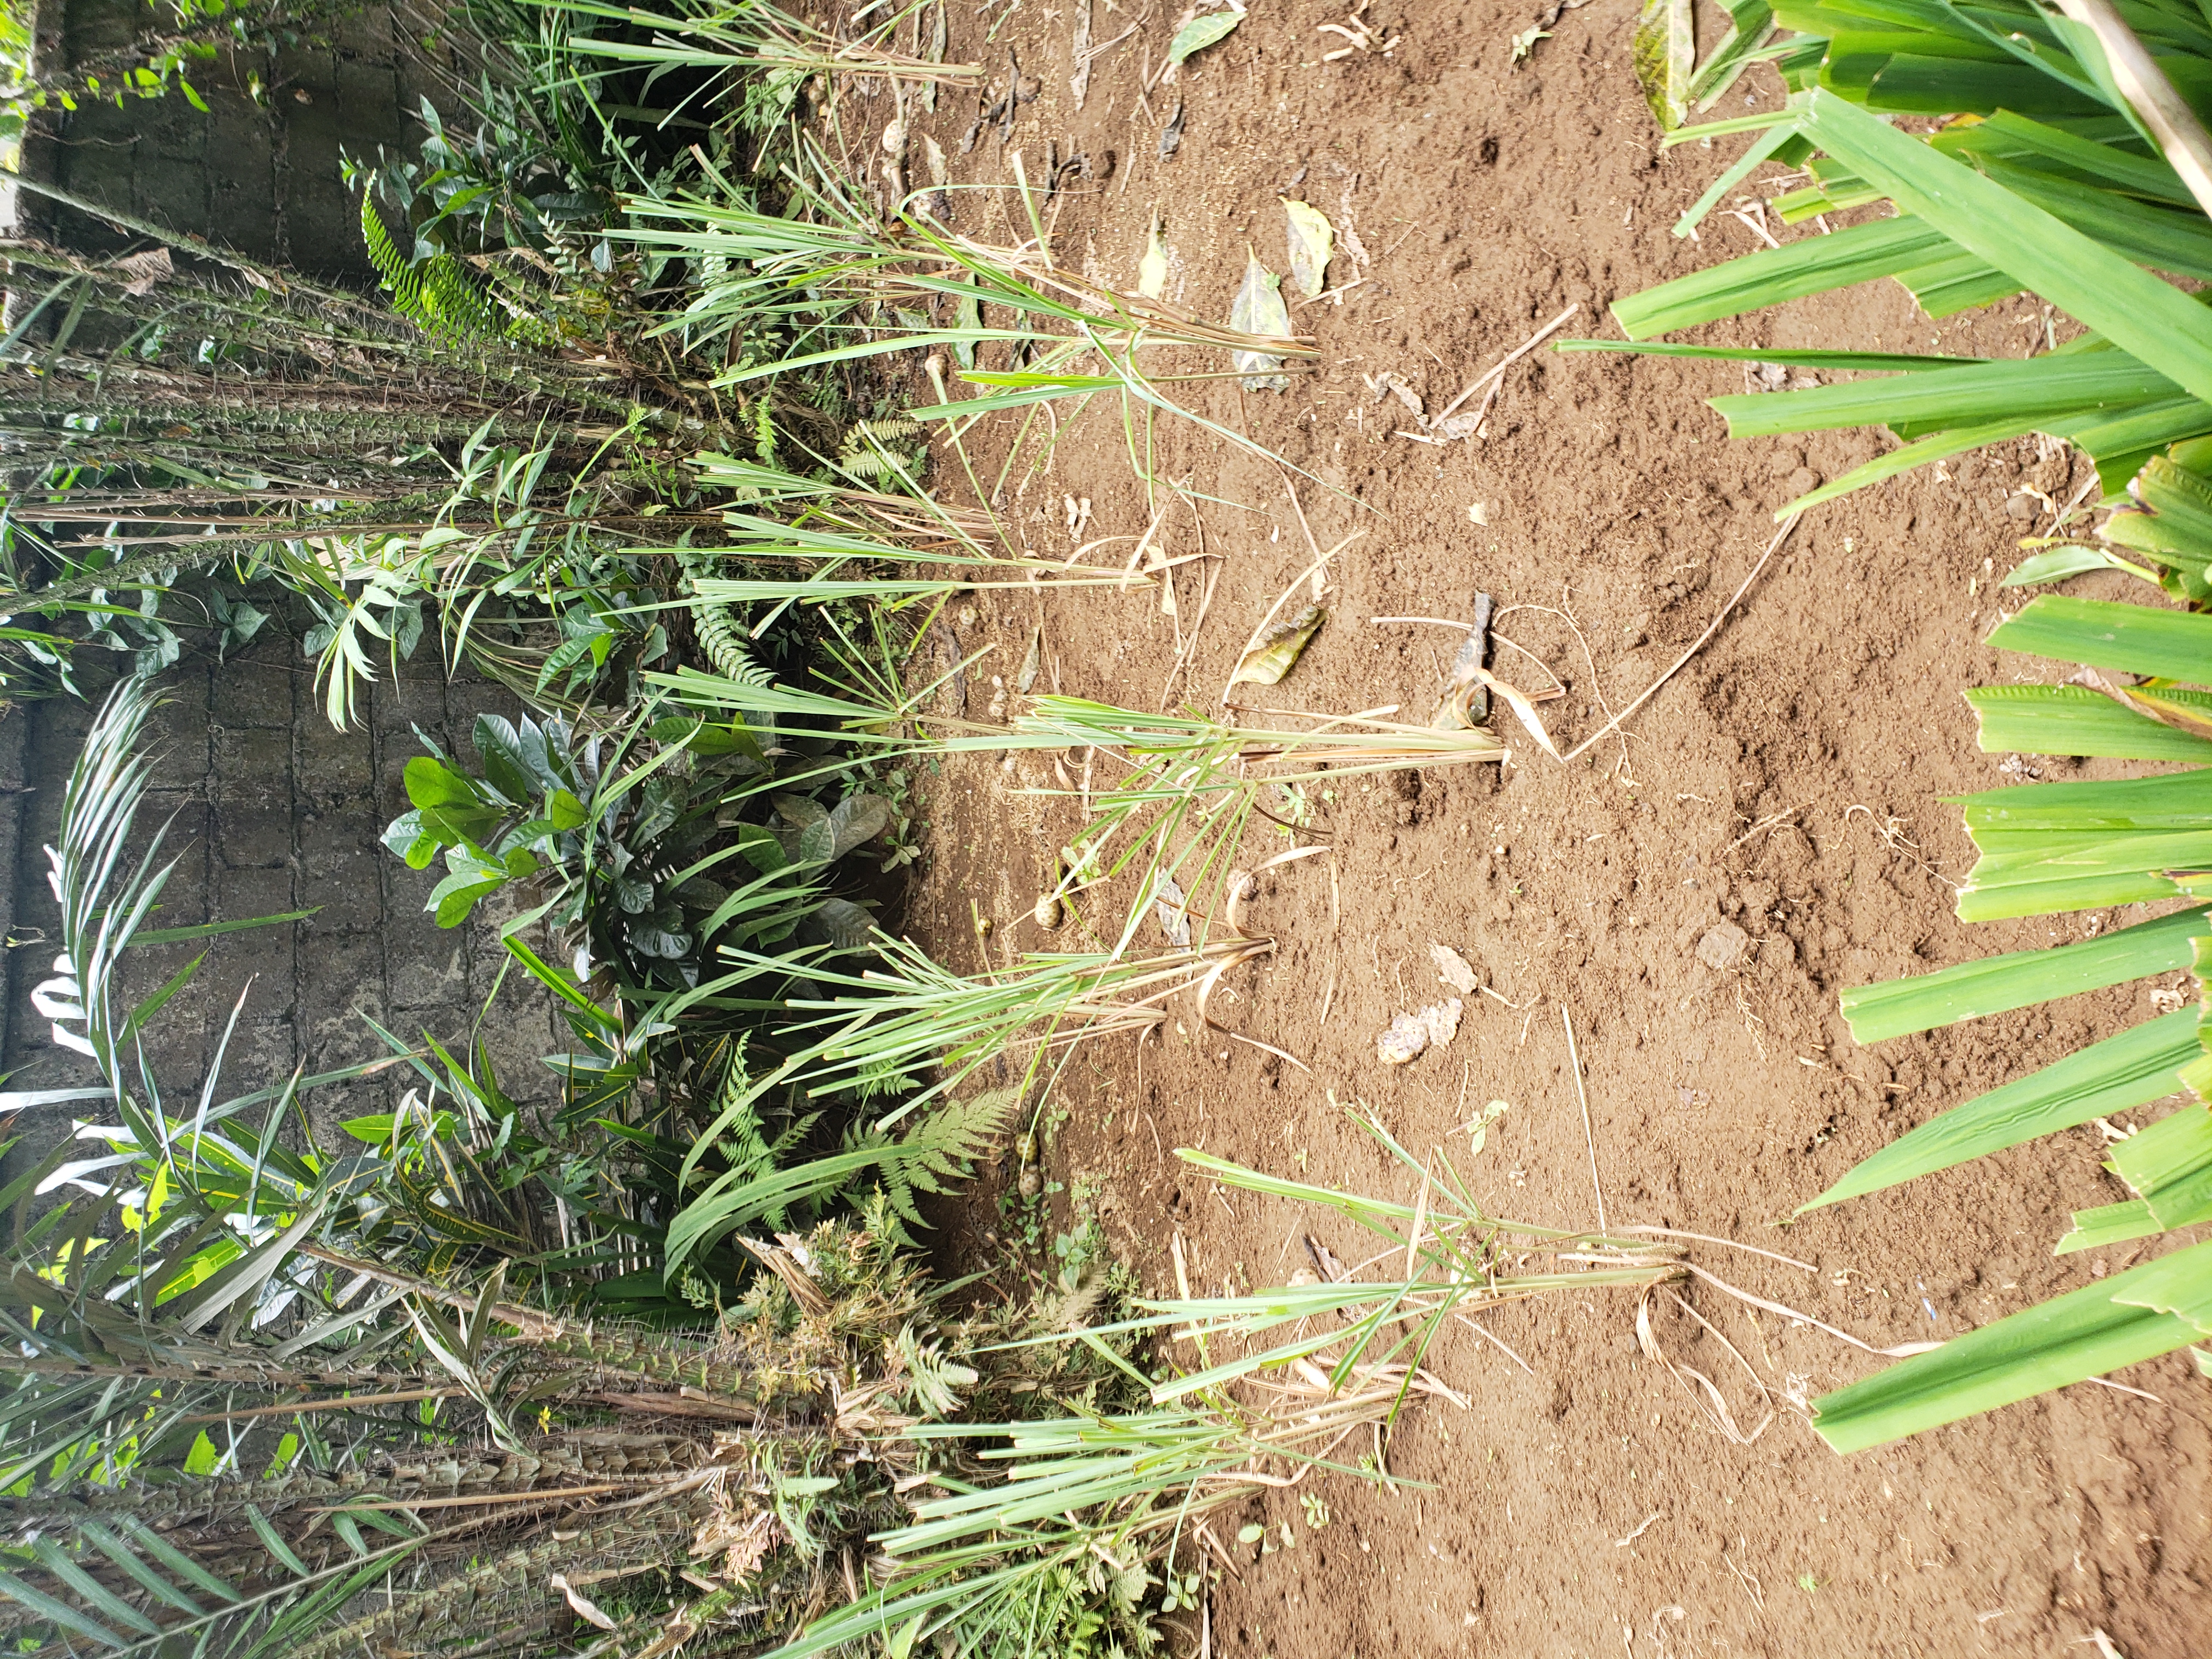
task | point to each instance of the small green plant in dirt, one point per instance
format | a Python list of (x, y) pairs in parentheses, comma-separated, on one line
[(2053, 178)]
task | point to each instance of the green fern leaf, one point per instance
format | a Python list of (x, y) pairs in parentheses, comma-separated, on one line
[(722, 642)]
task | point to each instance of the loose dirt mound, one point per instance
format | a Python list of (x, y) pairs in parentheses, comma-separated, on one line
[(1693, 896)]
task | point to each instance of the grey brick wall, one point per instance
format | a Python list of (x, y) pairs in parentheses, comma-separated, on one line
[(272, 810), (263, 176)]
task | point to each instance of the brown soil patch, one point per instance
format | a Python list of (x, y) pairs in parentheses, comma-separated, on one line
[(1489, 198)]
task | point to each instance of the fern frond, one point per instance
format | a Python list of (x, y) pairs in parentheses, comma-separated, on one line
[(866, 452), (440, 295), (930, 1155), (722, 642)]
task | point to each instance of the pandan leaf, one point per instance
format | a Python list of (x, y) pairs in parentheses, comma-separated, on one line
[(2132, 1069), (2136, 1316), (1995, 985)]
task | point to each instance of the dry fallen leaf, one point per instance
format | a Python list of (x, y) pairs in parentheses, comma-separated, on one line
[(1312, 241), (1259, 310), (1391, 382), (1153, 269), (1276, 654), (1032, 663), (1523, 710), (1454, 969), (144, 270), (1325, 1258), (579, 1604), (1173, 909)]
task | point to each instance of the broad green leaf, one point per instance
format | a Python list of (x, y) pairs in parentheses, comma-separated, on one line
[(1200, 32), (429, 783), (2017, 978), (2084, 1334), (499, 746), (2135, 639), (855, 820), (2138, 1066), (412, 839), (2150, 319), (2072, 719), (566, 811)]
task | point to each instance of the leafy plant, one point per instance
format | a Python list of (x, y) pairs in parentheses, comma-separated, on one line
[(2052, 181)]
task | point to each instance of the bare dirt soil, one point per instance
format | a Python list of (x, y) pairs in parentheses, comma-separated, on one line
[(1785, 783)]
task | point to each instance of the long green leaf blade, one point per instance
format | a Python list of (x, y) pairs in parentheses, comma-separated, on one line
[(2138, 1066), (2020, 978), (2133, 639), (2084, 1334), (2151, 319), (2072, 719)]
